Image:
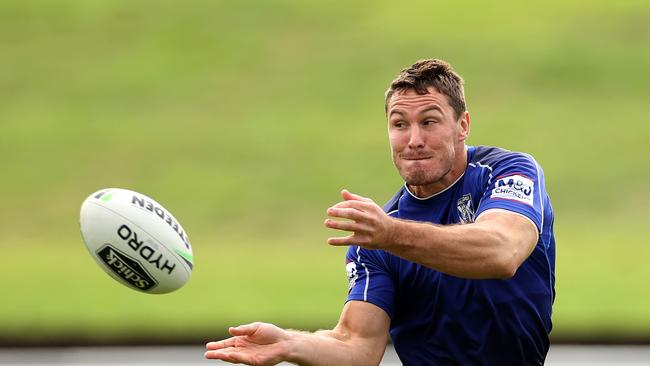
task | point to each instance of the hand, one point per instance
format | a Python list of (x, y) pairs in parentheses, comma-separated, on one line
[(251, 344), (370, 226)]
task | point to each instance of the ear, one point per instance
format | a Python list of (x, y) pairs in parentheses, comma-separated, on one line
[(463, 123)]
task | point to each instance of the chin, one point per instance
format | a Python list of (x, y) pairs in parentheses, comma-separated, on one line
[(420, 179), (421, 182), (423, 177)]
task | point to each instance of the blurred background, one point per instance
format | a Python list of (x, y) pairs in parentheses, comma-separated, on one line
[(246, 118)]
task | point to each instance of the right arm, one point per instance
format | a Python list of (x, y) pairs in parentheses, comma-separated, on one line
[(358, 339)]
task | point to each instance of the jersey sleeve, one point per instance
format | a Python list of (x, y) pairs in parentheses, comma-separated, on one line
[(368, 277), (516, 184)]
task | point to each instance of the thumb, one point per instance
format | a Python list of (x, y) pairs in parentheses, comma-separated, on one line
[(244, 330), (348, 196)]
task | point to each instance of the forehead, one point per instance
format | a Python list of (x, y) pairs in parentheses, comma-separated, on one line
[(409, 101)]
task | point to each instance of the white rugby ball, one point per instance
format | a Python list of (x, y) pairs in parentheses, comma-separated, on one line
[(136, 241)]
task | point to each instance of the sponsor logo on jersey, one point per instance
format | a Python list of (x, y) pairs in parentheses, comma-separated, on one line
[(465, 209), (126, 268), (515, 187), (351, 269)]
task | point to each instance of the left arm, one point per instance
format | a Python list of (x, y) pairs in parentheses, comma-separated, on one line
[(492, 247)]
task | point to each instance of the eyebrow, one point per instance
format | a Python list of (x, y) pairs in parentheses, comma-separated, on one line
[(432, 108), (429, 109)]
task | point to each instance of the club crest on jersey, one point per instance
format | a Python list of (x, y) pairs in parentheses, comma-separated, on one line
[(515, 187), (351, 269), (465, 209)]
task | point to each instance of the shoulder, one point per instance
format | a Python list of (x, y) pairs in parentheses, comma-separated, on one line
[(373, 260), (491, 156), (496, 161)]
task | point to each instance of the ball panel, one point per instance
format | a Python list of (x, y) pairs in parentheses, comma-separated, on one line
[(140, 209), (133, 246)]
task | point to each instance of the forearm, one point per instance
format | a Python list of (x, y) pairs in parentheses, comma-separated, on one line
[(330, 347), (358, 339), (477, 250)]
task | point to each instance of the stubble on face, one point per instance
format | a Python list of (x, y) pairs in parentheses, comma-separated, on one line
[(424, 153), (420, 175)]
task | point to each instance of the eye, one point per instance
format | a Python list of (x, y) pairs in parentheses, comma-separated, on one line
[(399, 124), (429, 122)]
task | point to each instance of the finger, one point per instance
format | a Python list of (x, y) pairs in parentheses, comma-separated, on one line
[(346, 225), (340, 241), (234, 357), (347, 195), (230, 342), (242, 330), (221, 355), (214, 355), (345, 213), (359, 205)]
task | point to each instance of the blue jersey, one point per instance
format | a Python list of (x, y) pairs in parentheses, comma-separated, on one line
[(439, 319)]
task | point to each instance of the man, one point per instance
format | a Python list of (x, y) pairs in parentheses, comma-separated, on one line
[(458, 267)]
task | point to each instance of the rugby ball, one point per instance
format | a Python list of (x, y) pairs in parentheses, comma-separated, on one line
[(136, 240)]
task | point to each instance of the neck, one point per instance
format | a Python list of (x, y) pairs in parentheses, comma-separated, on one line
[(457, 170)]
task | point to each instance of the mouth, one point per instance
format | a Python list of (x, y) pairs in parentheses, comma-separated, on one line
[(416, 158)]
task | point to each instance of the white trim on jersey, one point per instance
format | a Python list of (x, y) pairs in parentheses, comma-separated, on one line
[(435, 194), (541, 206), (365, 290), (539, 191), (541, 201), (483, 166)]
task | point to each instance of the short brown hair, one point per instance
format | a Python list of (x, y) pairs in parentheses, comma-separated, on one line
[(431, 73)]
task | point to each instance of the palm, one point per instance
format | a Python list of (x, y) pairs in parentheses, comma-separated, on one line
[(255, 344)]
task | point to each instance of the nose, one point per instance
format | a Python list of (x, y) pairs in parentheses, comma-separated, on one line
[(415, 138)]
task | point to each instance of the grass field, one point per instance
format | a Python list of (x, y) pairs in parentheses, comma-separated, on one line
[(245, 119)]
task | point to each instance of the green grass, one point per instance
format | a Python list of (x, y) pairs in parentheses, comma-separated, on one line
[(245, 119), (56, 291), (602, 279)]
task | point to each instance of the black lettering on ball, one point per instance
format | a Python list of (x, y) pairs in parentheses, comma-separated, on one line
[(124, 229)]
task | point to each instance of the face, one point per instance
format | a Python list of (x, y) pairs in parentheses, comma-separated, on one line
[(427, 140)]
